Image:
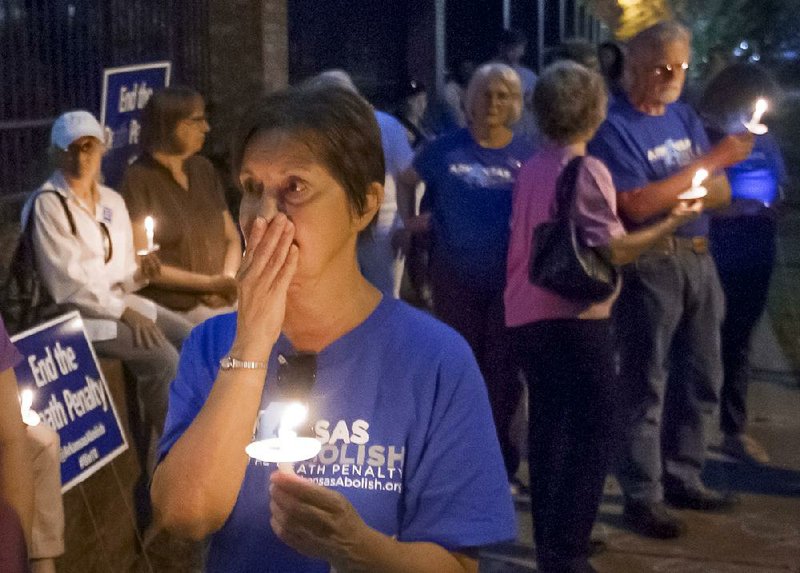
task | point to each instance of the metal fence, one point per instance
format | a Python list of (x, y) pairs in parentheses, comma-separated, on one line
[(52, 56)]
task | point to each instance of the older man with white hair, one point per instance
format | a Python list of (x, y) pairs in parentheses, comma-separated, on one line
[(670, 310)]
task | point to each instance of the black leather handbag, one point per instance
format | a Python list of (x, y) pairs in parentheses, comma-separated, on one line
[(560, 262), (24, 299)]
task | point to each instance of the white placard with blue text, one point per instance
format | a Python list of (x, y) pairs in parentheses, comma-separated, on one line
[(70, 395), (126, 90)]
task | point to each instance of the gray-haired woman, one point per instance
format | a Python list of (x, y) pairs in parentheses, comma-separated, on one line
[(469, 175)]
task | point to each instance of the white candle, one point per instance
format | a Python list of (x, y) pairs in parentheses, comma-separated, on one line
[(293, 416), (288, 447), (697, 191), (760, 109), (30, 417), (699, 176), (149, 229)]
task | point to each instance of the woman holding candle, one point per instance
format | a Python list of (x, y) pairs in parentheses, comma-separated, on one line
[(415, 477), (83, 242), (198, 244), (30, 477), (743, 237), (16, 466)]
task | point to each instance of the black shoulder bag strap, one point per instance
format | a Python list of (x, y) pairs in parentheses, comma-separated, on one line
[(565, 187), (63, 200)]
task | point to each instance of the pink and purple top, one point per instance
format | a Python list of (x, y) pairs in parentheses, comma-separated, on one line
[(595, 213)]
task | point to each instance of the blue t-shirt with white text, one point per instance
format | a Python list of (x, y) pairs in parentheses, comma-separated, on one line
[(468, 192), (640, 149), (407, 436)]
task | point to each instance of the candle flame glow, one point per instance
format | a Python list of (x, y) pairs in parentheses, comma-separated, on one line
[(30, 417), (293, 416), (700, 176), (149, 229), (760, 108)]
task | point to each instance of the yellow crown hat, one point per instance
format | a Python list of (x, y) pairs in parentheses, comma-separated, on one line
[(626, 18)]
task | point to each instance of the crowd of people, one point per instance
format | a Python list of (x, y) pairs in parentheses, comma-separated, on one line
[(344, 210)]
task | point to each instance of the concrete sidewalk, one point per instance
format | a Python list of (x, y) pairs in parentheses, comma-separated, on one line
[(761, 535)]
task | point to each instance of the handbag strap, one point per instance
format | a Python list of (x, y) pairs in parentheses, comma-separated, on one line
[(565, 187), (62, 200)]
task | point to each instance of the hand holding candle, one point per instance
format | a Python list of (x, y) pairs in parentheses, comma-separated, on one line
[(755, 126), (697, 190)]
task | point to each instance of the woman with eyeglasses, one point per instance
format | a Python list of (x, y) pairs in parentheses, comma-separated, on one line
[(409, 476), (83, 243), (199, 246)]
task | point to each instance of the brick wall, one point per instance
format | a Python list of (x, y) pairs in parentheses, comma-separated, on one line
[(248, 57)]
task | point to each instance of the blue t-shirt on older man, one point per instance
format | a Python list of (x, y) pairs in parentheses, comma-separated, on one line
[(468, 193), (407, 436), (640, 149)]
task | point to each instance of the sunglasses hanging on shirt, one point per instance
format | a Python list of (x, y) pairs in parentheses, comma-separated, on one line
[(297, 375)]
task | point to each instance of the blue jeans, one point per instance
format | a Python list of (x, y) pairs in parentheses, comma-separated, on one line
[(668, 320)]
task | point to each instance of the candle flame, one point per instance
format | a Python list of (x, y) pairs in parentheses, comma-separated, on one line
[(761, 106), (293, 416), (149, 224), (30, 417), (700, 176)]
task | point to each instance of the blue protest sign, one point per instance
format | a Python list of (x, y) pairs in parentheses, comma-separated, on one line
[(70, 395), (126, 91)]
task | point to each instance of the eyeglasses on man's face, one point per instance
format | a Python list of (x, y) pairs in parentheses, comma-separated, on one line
[(668, 70)]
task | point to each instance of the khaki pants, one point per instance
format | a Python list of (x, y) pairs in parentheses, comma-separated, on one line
[(47, 531)]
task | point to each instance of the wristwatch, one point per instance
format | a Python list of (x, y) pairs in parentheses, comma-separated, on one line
[(231, 363)]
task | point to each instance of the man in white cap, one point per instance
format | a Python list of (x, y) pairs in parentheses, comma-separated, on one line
[(83, 245)]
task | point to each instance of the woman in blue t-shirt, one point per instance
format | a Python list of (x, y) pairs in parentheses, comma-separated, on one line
[(469, 176), (743, 239), (409, 476)]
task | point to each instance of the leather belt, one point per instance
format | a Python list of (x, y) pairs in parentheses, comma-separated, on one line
[(670, 244)]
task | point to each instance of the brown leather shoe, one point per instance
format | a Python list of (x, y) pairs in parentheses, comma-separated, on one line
[(699, 498), (744, 448), (652, 519)]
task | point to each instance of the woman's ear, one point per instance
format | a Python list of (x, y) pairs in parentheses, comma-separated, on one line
[(373, 203)]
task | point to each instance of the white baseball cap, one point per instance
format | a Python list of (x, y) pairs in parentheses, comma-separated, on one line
[(74, 125)]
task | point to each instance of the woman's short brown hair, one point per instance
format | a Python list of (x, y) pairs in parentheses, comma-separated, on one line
[(337, 125), (570, 102), (161, 115)]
